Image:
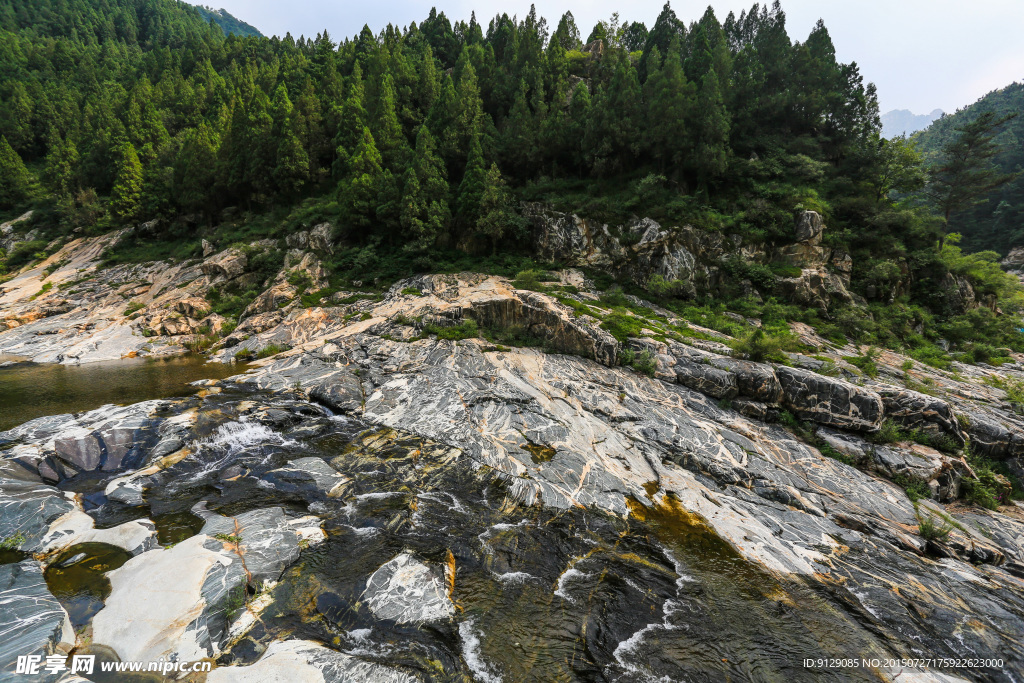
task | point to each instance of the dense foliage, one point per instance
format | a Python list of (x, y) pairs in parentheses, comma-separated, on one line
[(419, 142), (997, 222)]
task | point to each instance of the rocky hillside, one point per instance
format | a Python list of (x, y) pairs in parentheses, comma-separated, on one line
[(469, 476)]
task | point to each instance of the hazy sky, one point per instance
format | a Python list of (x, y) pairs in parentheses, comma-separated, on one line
[(922, 54)]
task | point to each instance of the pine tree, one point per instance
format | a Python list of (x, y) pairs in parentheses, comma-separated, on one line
[(670, 100), (291, 169), (966, 173), (126, 196), (519, 135), (567, 35), (195, 170), (498, 217), (61, 171), (387, 131), (425, 214), (472, 188), (667, 28), (15, 180), (351, 121), (16, 119), (469, 112), (359, 193)]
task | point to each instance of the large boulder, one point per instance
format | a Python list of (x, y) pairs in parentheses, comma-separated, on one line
[(829, 401), (994, 439), (32, 621), (303, 661), (341, 392), (274, 298), (405, 590), (170, 603), (538, 316), (108, 439), (321, 238), (268, 541), (193, 307), (227, 265), (310, 474), (916, 410), (706, 379), (756, 381)]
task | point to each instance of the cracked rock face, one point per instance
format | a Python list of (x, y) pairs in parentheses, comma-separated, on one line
[(32, 622), (407, 591)]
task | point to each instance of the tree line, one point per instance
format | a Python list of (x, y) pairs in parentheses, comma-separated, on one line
[(421, 135)]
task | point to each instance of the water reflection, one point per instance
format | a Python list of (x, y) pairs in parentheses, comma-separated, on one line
[(29, 390)]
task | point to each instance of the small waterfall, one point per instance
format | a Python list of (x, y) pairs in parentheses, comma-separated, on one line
[(229, 441)]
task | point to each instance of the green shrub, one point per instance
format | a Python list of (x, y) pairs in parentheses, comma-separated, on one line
[(47, 286), (25, 252), (930, 528), (866, 362), (659, 286), (915, 487), (514, 335), (530, 279), (643, 362), (467, 329), (412, 291), (830, 452), (13, 542), (134, 307), (758, 345), (622, 325)]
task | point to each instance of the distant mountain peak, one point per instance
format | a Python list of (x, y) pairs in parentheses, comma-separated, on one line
[(230, 24), (905, 122)]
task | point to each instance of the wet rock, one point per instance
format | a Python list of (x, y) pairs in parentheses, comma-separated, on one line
[(341, 392), (30, 509), (304, 661), (170, 602), (108, 439), (308, 474), (268, 539), (829, 401), (407, 591), (32, 621)]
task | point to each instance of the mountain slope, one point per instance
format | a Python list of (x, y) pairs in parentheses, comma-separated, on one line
[(230, 24), (905, 122), (998, 222)]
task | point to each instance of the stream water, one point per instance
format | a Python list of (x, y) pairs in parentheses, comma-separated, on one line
[(31, 390), (541, 594)]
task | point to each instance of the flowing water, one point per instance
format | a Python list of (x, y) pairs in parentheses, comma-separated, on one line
[(30, 390), (541, 594)]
